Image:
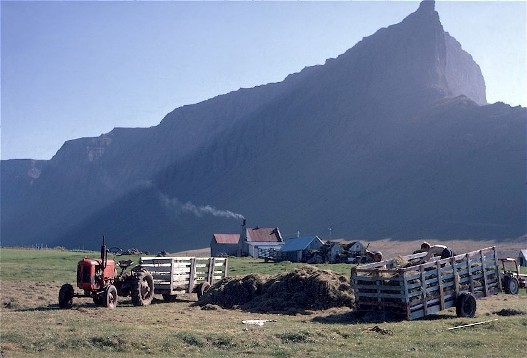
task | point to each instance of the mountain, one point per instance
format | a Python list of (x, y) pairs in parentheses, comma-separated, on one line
[(393, 138)]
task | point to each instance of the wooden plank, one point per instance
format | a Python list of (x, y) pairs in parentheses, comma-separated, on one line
[(192, 275), (469, 268), (483, 266), (226, 269), (212, 261), (423, 288), (167, 268), (440, 282)]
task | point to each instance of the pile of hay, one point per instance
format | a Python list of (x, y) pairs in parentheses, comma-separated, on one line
[(306, 288)]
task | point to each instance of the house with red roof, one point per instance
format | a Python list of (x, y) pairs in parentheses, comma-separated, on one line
[(224, 244), (255, 240), (250, 242)]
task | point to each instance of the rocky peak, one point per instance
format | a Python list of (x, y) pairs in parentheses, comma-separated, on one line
[(414, 61), (427, 7)]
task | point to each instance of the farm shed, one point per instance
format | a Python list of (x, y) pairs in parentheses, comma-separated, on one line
[(522, 258), (224, 244), (295, 249), (343, 251), (253, 240), (355, 248), (333, 250)]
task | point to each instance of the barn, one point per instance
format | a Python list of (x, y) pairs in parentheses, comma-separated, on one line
[(224, 244)]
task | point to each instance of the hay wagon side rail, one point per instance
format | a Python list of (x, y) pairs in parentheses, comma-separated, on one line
[(422, 289), (179, 275)]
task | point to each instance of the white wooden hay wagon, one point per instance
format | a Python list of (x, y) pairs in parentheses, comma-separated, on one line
[(179, 275), (403, 288)]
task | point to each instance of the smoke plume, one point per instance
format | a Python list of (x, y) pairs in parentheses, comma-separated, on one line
[(199, 211), (210, 210)]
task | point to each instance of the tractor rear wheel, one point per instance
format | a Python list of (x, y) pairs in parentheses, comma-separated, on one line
[(202, 288), (110, 297), (466, 305), (512, 286), (66, 296), (142, 289)]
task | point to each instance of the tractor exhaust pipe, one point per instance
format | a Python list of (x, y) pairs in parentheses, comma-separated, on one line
[(104, 253)]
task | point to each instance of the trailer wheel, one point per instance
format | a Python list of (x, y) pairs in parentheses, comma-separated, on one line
[(110, 297), (142, 289), (359, 311), (202, 288), (466, 305), (66, 296), (512, 285)]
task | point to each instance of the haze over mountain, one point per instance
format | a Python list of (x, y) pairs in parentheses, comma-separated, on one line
[(393, 138)]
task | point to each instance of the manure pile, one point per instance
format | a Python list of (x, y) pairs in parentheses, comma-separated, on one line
[(305, 288)]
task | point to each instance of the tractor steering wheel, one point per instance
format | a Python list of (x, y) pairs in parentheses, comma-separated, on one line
[(115, 250)]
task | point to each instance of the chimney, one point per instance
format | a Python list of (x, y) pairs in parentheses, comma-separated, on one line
[(243, 238)]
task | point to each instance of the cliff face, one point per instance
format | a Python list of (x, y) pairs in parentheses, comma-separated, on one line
[(463, 75), (391, 139)]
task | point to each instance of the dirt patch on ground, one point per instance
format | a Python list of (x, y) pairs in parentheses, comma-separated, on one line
[(305, 289), (510, 312), (23, 295)]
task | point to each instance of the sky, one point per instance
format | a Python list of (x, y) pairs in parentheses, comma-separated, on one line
[(78, 69)]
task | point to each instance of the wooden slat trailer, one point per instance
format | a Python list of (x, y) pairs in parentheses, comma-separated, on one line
[(400, 289), (179, 275)]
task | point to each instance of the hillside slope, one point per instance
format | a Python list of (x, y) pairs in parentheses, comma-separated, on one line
[(386, 140)]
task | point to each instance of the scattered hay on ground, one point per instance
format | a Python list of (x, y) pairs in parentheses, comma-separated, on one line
[(304, 289), (382, 331)]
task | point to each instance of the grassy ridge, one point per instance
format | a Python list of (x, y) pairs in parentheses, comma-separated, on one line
[(32, 325)]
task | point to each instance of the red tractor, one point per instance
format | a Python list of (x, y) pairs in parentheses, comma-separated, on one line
[(98, 280)]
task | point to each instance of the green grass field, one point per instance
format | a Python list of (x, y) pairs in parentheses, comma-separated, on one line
[(32, 325)]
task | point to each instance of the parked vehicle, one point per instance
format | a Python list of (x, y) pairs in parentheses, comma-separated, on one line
[(410, 290), (178, 275), (98, 280), (511, 278)]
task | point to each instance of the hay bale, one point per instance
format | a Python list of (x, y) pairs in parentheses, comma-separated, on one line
[(305, 288), (233, 291)]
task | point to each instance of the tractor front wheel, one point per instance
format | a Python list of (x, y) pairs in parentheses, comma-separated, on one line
[(142, 289), (66, 296), (110, 297), (99, 298), (466, 305)]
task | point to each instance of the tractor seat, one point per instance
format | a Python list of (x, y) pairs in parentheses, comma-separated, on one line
[(125, 263)]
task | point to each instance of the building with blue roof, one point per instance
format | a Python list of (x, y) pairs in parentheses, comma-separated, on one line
[(295, 249)]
